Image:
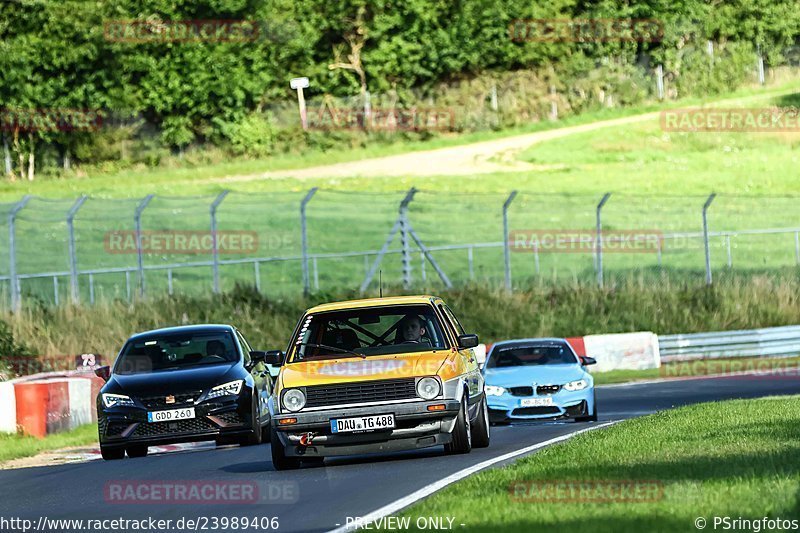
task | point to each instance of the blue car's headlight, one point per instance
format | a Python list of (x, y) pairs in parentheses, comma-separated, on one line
[(232, 388), (491, 390), (117, 400), (576, 385)]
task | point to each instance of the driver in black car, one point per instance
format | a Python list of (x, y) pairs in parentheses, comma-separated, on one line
[(410, 329), (215, 347)]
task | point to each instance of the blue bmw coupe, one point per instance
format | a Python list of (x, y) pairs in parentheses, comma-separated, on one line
[(534, 379)]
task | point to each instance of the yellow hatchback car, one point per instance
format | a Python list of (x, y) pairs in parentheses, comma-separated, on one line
[(378, 375)]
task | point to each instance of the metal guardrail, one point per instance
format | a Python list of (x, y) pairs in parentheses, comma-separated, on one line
[(780, 341)]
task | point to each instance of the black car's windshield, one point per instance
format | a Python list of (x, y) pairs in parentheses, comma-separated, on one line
[(550, 354), (173, 352), (368, 332)]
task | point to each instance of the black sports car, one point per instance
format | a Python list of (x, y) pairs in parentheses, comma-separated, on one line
[(183, 384)]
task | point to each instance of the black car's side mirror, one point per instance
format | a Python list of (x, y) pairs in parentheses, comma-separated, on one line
[(469, 340), (586, 360), (274, 357), (258, 356), (103, 372)]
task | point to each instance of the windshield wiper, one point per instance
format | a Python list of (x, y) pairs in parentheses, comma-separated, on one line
[(334, 348)]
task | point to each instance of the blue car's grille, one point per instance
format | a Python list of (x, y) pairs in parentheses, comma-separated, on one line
[(521, 391), (548, 389)]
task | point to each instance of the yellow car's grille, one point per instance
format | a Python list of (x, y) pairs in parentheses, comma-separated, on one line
[(366, 391)]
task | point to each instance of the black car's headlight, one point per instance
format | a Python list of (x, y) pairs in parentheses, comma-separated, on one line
[(117, 400), (232, 388), (294, 399)]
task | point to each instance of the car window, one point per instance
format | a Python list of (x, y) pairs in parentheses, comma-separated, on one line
[(366, 332), (552, 354), (454, 320), (176, 351), (245, 346)]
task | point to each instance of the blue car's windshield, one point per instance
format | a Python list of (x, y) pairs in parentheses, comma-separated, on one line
[(551, 354)]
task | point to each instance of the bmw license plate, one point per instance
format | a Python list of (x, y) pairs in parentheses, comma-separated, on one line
[(362, 423), (536, 402), (171, 415)]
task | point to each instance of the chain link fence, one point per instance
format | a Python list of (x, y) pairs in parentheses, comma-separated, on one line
[(285, 243)]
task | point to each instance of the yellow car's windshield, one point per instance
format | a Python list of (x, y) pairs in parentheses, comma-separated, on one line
[(368, 332)]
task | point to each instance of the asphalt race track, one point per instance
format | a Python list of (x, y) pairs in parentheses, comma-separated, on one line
[(321, 498)]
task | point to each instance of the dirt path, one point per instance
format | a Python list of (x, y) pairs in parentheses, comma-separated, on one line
[(477, 158)]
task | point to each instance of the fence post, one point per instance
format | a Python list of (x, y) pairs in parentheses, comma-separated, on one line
[(404, 237), (304, 239), (16, 301), (797, 247), (214, 240), (599, 239), (705, 236), (506, 245), (137, 219), (73, 257)]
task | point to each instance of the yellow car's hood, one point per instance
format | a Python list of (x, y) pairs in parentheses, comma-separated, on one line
[(355, 369)]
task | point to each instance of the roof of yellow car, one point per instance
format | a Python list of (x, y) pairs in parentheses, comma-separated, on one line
[(372, 302)]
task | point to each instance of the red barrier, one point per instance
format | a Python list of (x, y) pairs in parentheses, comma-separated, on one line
[(32, 408), (57, 406), (577, 345)]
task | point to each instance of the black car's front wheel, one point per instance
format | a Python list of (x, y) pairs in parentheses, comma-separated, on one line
[(256, 437), (112, 453)]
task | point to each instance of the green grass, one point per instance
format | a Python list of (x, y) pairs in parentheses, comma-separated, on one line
[(735, 458), (699, 368), (567, 310), (659, 183), (174, 179), (17, 446)]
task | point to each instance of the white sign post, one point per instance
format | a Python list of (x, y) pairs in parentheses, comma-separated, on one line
[(299, 84)]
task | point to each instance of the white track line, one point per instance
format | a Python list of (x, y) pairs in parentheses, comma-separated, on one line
[(452, 478)]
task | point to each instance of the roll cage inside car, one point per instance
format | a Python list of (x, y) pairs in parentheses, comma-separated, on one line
[(352, 332)]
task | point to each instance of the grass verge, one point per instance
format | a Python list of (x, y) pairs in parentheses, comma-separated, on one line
[(17, 446), (493, 313), (174, 177), (736, 458)]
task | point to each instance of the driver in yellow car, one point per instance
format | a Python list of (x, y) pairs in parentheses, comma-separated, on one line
[(411, 329)]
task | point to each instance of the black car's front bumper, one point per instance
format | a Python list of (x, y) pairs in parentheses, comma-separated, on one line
[(223, 417), (415, 427)]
